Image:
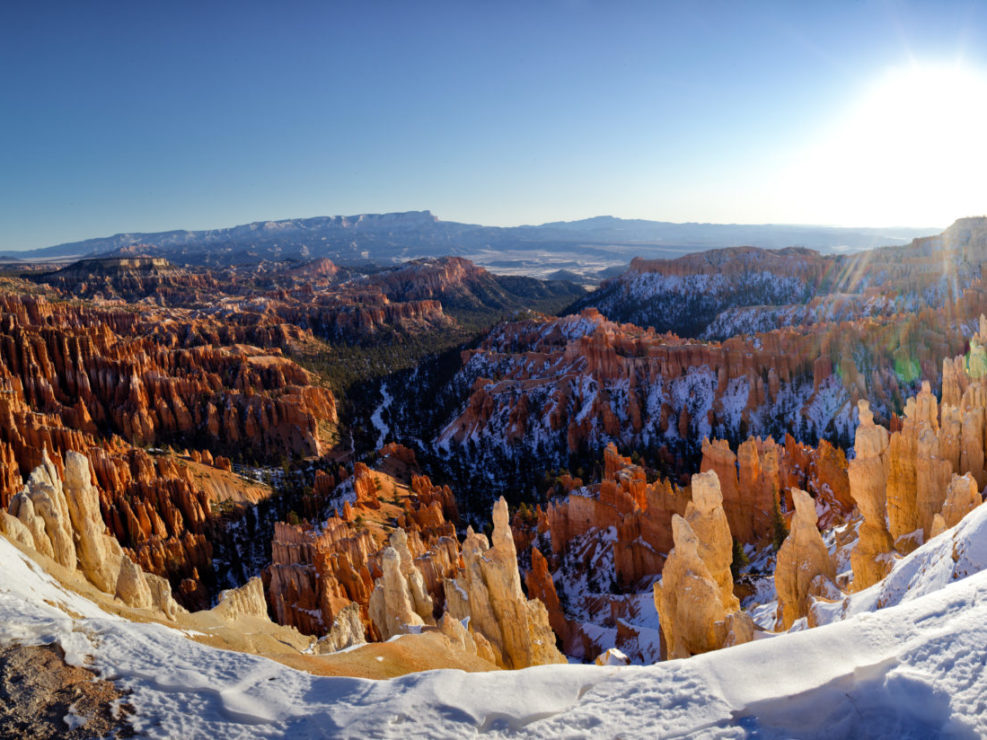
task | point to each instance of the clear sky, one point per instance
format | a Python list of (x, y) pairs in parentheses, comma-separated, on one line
[(145, 115)]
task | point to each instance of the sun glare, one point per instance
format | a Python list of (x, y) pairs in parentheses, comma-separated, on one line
[(910, 150)]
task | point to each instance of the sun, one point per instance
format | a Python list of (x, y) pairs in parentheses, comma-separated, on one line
[(911, 150)]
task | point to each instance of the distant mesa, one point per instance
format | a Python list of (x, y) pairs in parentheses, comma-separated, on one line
[(113, 266)]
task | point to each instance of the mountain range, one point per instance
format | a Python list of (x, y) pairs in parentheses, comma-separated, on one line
[(586, 248)]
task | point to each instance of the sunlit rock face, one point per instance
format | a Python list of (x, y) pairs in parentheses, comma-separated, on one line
[(59, 517), (708, 522), (803, 564), (488, 592), (690, 602), (921, 479), (962, 497), (399, 603), (695, 600), (868, 472)]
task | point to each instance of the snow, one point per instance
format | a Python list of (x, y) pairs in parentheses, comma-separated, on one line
[(73, 719), (613, 657), (912, 669), (955, 554), (377, 418)]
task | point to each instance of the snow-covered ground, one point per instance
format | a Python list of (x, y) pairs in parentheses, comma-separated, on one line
[(914, 669)]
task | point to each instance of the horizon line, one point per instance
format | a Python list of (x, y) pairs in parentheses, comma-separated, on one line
[(933, 229)]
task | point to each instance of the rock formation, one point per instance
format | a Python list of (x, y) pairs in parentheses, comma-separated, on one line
[(246, 601), (399, 603), (690, 603), (314, 575), (926, 473), (488, 592), (708, 521), (541, 586), (802, 559), (639, 511), (59, 517), (346, 631), (962, 497), (596, 381), (869, 472)]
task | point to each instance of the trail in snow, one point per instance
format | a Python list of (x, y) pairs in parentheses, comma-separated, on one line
[(377, 418)]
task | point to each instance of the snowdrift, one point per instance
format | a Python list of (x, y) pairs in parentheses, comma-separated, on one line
[(914, 668)]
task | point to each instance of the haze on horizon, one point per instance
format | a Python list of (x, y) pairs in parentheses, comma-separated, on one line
[(126, 117)]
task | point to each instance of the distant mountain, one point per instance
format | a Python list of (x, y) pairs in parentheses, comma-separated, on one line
[(584, 247)]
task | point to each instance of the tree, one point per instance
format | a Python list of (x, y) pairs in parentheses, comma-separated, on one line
[(780, 528)]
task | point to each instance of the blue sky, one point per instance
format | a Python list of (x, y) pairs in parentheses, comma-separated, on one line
[(157, 115)]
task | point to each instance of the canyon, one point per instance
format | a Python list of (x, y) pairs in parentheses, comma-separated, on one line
[(383, 471)]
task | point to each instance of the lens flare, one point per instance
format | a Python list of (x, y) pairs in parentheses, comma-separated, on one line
[(911, 150)]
